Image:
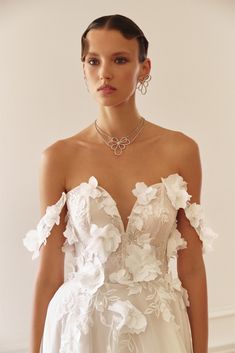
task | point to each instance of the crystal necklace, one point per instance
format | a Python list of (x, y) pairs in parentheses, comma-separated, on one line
[(118, 145)]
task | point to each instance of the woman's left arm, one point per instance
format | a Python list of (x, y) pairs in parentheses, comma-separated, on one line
[(190, 263)]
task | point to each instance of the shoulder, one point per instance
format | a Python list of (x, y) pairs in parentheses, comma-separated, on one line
[(175, 138), (184, 154), (61, 150), (187, 153), (179, 140), (54, 162), (181, 146)]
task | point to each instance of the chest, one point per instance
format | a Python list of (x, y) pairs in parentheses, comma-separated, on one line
[(118, 175)]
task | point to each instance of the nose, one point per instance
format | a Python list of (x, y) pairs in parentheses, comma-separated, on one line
[(105, 72)]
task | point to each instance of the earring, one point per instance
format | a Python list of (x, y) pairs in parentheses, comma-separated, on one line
[(142, 85)]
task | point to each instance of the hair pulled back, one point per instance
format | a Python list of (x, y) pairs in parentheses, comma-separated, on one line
[(125, 25)]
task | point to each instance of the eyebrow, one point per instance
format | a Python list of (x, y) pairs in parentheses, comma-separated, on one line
[(114, 54)]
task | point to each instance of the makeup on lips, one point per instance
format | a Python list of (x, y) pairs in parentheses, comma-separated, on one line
[(107, 89)]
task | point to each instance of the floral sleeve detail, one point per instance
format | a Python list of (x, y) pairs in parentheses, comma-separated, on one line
[(175, 242), (195, 214), (35, 238), (176, 189)]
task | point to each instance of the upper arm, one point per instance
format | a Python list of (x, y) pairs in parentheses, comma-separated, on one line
[(51, 186), (190, 169)]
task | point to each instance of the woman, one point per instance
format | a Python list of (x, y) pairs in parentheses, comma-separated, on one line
[(124, 196)]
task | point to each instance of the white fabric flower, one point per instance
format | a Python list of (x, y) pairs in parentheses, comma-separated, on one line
[(185, 296), (166, 314), (175, 242), (90, 188), (207, 236), (176, 189), (33, 242), (142, 263), (194, 213), (144, 193), (109, 206), (104, 240), (137, 222), (52, 217), (35, 238), (69, 233), (140, 212), (122, 276), (90, 276), (130, 319), (143, 210), (144, 239)]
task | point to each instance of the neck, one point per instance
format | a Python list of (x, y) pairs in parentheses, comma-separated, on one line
[(118, 121)]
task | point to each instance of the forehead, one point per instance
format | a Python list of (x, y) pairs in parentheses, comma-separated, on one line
[(105, 41)]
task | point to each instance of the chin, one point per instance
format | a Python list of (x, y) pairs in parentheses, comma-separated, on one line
[(109, 102)]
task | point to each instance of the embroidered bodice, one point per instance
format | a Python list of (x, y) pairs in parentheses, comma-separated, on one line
[(103, 252)]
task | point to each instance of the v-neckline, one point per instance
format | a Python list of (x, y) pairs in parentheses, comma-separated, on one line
[(124, 229)]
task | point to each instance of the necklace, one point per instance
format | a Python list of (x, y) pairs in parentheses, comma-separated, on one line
[(119, 144)]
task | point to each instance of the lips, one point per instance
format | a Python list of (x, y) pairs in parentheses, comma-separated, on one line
[(106, 88)]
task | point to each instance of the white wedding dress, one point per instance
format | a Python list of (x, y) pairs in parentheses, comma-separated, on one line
[(120, 295)]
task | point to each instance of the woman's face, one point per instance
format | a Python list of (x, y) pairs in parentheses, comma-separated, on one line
[(113, 60)]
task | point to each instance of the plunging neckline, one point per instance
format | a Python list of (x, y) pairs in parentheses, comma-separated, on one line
[(124, 229)]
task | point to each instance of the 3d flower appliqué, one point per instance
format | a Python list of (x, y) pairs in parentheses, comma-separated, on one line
[(129, 318), (35, 238), (103, 240), (142, 262), (90, 276), (177, 190), (90, 188), (122, 276), (175, 242), (195, 214), (140, 213), (109, 206), (144, 193)]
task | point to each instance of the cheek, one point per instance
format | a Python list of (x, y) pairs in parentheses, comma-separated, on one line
[(131, 75), (130, 78)]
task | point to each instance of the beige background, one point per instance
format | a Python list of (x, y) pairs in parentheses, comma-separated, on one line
[(43, 98)]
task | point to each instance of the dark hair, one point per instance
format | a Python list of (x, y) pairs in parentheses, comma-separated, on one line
[(125, 25)]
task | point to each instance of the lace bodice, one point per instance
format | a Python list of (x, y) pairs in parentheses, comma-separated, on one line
[(95, 229), (111, 265)]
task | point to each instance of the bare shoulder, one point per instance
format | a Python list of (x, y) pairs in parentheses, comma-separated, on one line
[(61, 150), (181, 142), (53, 166), (57, 150), (186, 148), (187, 153), (173, 140)]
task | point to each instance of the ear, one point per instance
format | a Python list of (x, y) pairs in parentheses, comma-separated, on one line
[(145, 68)]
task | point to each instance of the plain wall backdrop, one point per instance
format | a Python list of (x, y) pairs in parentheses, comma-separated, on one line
[(43, 98)]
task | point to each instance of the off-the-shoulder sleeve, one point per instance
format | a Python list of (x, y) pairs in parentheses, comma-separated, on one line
[(176, 188), (35, 238)]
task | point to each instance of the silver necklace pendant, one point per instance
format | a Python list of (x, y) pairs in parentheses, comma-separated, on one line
[(118, 145)]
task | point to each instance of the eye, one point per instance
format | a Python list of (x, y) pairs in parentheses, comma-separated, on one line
[(121, 60), (92, 60)]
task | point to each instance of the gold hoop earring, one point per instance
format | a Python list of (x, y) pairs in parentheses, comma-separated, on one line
[(143, 85)]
